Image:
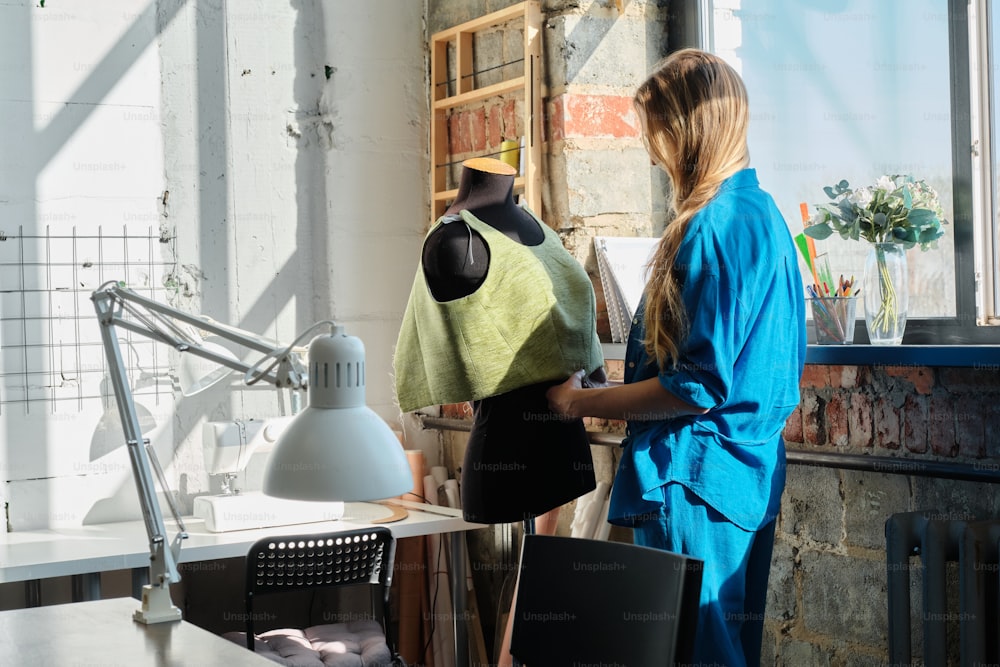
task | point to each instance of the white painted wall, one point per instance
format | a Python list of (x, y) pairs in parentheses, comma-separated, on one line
[(376, 174), (79, 151), (290, 197)]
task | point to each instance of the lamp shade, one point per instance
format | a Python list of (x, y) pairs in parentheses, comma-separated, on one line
[(337, 448)]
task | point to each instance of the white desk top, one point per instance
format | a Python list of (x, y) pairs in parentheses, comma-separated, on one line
[(103, 632), (42, 554)]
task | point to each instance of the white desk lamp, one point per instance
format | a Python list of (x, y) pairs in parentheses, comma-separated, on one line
[(337, 449)]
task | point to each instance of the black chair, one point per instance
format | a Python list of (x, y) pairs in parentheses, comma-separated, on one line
[(284, 564), (582, 601)]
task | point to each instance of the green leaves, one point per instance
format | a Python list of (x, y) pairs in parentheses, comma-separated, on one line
[(819, 232), (834, 191), (922, 217), (906, 236), (928, 236), (897, 209)]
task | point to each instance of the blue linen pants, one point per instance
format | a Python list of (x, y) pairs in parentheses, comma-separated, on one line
[(734, 579)]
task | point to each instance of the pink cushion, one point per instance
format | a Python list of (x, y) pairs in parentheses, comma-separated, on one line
[(352, 644)]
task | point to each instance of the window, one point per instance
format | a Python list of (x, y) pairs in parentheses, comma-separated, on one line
[(856, 89)]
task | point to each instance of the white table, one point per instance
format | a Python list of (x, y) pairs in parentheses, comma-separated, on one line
[(103, 632), (42, 554), (83, 553)]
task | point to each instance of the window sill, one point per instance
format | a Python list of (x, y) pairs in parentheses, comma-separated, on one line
[(927, 342), (984, 357)]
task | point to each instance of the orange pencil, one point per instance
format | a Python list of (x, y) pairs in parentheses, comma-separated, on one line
[(810, 244), (812, 258)]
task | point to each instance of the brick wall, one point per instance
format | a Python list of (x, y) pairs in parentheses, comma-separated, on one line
[(827, 596), (894, 409)]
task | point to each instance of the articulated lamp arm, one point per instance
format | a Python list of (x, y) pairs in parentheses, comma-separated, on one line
[(159, 322), (337, 448)]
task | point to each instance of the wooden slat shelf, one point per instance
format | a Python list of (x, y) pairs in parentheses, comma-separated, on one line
[(498, 17), (509, 86), (526, 84)]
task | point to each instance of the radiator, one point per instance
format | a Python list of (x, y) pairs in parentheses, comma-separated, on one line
[(936, 541)]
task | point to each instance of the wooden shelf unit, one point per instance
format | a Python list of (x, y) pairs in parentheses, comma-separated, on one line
[(527, 83)]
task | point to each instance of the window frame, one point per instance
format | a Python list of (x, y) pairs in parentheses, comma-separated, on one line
[(985, 103), (690, 26)]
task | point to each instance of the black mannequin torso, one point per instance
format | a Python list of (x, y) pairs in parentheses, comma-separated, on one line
[(521, 460), (455, 258)]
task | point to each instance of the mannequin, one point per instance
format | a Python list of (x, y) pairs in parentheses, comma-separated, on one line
[(521, 461)]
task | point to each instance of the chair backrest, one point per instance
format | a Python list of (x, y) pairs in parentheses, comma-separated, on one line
[(286, 563), (582, 601)]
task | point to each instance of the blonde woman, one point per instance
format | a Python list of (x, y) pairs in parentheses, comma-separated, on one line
[(713, 359)]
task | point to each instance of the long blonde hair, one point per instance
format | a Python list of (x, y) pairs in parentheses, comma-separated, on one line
[(695, 115)]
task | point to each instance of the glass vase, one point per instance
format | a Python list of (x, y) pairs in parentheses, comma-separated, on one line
[(886, 293)]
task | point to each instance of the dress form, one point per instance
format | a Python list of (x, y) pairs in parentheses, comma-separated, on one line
[(521, 460)]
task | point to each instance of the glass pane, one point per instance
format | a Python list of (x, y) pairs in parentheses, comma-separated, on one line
[(848, 90)]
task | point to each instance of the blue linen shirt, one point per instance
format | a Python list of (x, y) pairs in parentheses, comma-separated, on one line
[(742, 360)]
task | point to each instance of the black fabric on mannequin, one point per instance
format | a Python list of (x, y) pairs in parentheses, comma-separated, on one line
[(521, 460)]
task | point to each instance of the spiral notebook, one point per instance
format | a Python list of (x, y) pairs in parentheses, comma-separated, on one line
[(622, 263)]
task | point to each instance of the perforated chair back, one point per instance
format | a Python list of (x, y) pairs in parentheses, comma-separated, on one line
[(582, 601), (288, 563)]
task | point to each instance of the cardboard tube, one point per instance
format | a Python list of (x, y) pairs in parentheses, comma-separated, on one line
[(409, 581), (451, 489), (417, 470), (440, 475)]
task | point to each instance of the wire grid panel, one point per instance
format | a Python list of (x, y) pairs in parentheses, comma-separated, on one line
[(51, 343)]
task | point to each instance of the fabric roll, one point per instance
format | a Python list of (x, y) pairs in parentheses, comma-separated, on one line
[(418, 465)]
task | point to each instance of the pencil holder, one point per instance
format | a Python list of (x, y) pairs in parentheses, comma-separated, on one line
[(834, 319)]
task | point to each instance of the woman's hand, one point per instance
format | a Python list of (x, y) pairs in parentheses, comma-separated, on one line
[(646, 400), (561, 396)]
